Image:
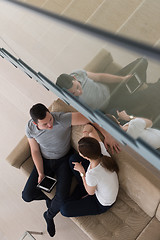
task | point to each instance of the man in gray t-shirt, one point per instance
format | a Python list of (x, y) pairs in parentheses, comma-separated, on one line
[(51, 146), (49, 139), (91, 88), (104, 91)]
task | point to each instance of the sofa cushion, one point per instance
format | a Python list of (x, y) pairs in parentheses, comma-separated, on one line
[(138, 186), (125, 220), (112, 68), (27, 166), (20, 153), (100, 62), (60, 106), (151, 231), (158, 212)]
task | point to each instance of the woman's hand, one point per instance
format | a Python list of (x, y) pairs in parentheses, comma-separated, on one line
[(78, 167), (112, 143), (123, 115), (108, 140)]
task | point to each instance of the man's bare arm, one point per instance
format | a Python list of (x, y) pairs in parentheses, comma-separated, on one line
[(106, 77), (37, 158)]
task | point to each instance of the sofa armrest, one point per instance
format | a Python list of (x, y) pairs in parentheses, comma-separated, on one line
[(151, 231), (100, 62), (158, 213), (20, 153)]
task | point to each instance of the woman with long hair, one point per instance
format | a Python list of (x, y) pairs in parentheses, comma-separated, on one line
[(96, 172)]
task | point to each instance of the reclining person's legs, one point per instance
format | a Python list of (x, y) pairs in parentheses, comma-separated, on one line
[(64, 177), (88, 205), (121, 98), (139, 66)]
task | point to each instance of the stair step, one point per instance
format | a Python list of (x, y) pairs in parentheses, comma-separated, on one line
[(56, 6), (110, 17), (81, 10), (144, 24)]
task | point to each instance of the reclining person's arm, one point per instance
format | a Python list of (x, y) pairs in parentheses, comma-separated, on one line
[(37, 158), (106, 77), (108, 139), (124, 116), (90, 131), (78, 119)]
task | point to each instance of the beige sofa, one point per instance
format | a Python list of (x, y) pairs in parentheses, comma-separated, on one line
[(136, 213)]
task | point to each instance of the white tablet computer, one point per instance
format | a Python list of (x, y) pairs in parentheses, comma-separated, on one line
[(47, 183), (133, 83)]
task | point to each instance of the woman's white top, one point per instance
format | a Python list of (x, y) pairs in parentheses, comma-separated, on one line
[(106, 182), (137, 128)]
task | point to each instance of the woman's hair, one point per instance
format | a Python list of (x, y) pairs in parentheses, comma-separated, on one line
[(89, 147), (109, 163), (38, 111)]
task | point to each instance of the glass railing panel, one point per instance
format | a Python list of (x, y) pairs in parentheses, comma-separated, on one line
[(45, 48)]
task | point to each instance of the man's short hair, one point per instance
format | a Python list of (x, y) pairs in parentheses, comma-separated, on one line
[(65, 81), (38, 111)]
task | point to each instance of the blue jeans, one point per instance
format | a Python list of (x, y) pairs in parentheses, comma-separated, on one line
[(122, 99), (79, 204), (142, 103), (61, 169)]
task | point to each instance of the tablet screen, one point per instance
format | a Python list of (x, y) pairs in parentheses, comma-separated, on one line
[(48, 182)]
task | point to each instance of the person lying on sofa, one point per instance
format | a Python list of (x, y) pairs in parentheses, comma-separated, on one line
[(138, 127), (91, 88), (49, 135), (94, 89), (96, 173)]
